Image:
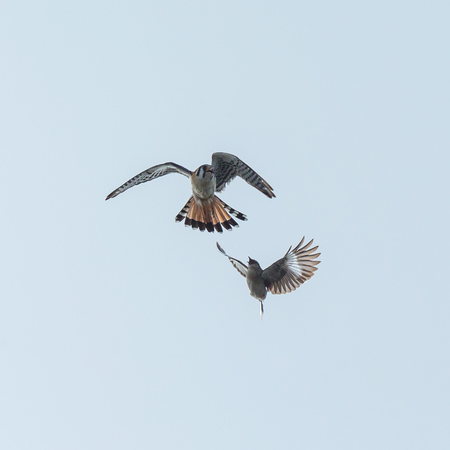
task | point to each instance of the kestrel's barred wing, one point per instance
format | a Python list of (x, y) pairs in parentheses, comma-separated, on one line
[(289, 272), (227, 167), (150, 174), (241, 267)]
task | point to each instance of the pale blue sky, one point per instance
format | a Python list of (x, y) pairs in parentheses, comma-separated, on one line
[(121, 329)]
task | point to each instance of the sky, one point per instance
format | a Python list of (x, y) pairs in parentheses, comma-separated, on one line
[(120, 328)]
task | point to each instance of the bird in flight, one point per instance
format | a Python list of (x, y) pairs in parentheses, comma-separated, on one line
[(283, 276), (204, 210)]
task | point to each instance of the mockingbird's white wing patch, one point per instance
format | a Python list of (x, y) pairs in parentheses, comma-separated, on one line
[(291, 271)]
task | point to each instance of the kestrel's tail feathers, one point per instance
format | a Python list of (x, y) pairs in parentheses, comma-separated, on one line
[(210, 216)]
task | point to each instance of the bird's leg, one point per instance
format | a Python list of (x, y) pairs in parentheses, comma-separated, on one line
[(261, 309)]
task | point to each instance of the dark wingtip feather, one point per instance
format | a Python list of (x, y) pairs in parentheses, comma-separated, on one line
[(269, 193), (221, 249)]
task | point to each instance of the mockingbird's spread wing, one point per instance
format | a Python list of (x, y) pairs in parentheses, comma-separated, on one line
[(227, 167), (241, 267), (150, 174), (289, 272)]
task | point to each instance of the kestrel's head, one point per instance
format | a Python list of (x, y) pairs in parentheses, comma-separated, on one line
[(205, 171), (252, 262)]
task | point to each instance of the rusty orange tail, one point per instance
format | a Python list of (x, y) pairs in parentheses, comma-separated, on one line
[(210, 217)]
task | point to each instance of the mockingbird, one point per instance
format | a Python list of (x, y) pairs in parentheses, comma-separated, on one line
[(283, 276), (204, 210)]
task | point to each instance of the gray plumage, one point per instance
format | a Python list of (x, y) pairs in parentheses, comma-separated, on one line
[(283, 276)]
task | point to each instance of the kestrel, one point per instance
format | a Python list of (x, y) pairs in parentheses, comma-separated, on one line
[(204, 210), (283, 276)]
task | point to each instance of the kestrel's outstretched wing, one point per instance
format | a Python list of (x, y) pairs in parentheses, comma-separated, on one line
[(227, 167), (289, 272), (241, 267), (150, 174)]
